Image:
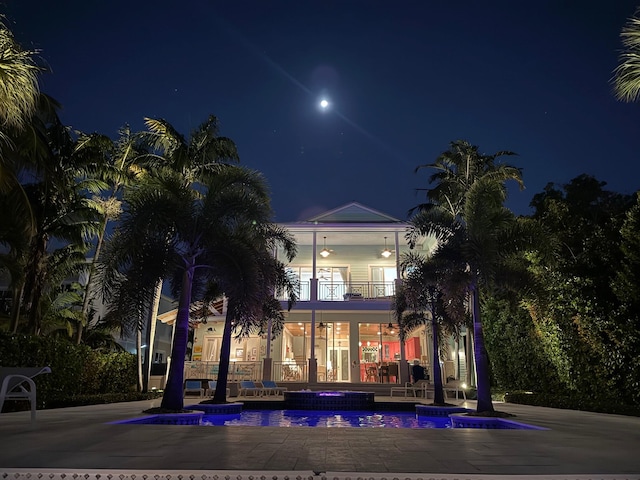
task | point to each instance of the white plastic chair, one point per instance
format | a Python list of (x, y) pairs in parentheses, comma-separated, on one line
[(17, 384)]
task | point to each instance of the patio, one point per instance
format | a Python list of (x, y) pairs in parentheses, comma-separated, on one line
[(78, 440)]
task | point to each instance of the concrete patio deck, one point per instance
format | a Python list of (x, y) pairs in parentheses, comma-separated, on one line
[(79, 441)]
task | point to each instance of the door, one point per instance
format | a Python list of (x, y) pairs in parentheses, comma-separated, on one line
[(339, 366)]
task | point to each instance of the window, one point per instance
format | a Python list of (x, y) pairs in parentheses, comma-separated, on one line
[(383, 281)]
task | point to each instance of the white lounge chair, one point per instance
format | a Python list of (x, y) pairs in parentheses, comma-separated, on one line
[(272, 388), (17, 384)]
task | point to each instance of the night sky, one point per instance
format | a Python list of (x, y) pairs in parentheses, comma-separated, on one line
[(403, 80)]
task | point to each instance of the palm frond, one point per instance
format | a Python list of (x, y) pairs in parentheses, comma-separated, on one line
[(626, 79)]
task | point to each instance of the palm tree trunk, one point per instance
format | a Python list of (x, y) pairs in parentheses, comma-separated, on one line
[(139, 357), (35, 281), (438, 392), (16, 303), (481, 358), (87, 288), (173, 398), (225, 352), (151, 335)]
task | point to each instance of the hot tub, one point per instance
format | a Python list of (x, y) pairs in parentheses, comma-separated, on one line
[(347, 400)]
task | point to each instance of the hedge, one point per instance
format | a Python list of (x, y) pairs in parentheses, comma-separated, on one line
[(76, 370)]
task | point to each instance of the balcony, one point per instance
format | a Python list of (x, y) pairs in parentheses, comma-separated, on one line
[(346, 291)]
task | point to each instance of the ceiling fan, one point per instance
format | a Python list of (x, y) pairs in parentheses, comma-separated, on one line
[(324, 274)]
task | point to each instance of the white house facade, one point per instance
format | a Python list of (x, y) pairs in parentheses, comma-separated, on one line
[(341, 330)]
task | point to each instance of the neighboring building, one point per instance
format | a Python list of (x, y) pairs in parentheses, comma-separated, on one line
[(348, 267)]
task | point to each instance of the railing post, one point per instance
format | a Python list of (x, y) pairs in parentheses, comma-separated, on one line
[(313, 289)]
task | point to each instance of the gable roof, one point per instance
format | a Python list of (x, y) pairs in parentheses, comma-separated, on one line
[(353, 212)]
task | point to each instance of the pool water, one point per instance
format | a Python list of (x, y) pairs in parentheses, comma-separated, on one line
[(328, 419)]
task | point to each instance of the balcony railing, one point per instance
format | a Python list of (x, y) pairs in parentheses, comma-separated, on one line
[(347, 291)]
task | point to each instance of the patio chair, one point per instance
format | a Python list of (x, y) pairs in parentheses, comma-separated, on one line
[(421, 386), (249, 387), (454, 386), (17, 384), (272, 388), (406, 390), (213, 384), (193, 386)]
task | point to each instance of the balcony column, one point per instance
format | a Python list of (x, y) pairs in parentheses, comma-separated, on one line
[(397, 256), (313, 287)]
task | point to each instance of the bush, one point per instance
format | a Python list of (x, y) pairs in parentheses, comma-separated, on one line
[(77, 371), (82, 400), (569, 401)]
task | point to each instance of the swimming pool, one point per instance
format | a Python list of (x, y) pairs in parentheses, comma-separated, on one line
[(326, 419)]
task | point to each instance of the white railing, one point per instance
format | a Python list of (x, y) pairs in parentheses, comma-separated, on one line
[(237, 371), (346, 291), (289, 372)]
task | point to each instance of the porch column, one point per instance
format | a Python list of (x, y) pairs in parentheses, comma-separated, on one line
[(267, 362), (354, 351), (403, 365), (313, 363)]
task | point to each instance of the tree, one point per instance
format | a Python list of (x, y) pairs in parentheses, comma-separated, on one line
[(426, 297), (196, 159), (170, 230), (119, 169), (465, 212), (19, 100), (250, 282), (626, 80), (18, 82), (586, 319), (59, 175), (160, 149)]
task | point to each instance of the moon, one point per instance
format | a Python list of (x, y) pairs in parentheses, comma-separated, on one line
[(324, 104)]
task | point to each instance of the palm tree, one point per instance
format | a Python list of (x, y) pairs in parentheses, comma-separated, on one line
[(457, 169), (626, 80), (59, 178), (119, 169), (465, 212), (196, 159), (426, 297), (170, 230), (159, 149), (18, 82), (252, 277), (19, 99)]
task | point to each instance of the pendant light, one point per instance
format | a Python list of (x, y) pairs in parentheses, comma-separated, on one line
[(325, 251), (386, 253)]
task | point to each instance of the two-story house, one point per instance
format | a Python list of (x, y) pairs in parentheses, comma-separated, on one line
[(342, 329)]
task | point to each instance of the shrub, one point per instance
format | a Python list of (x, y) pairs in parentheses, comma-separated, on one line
[(571, 402), (77, 371)]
